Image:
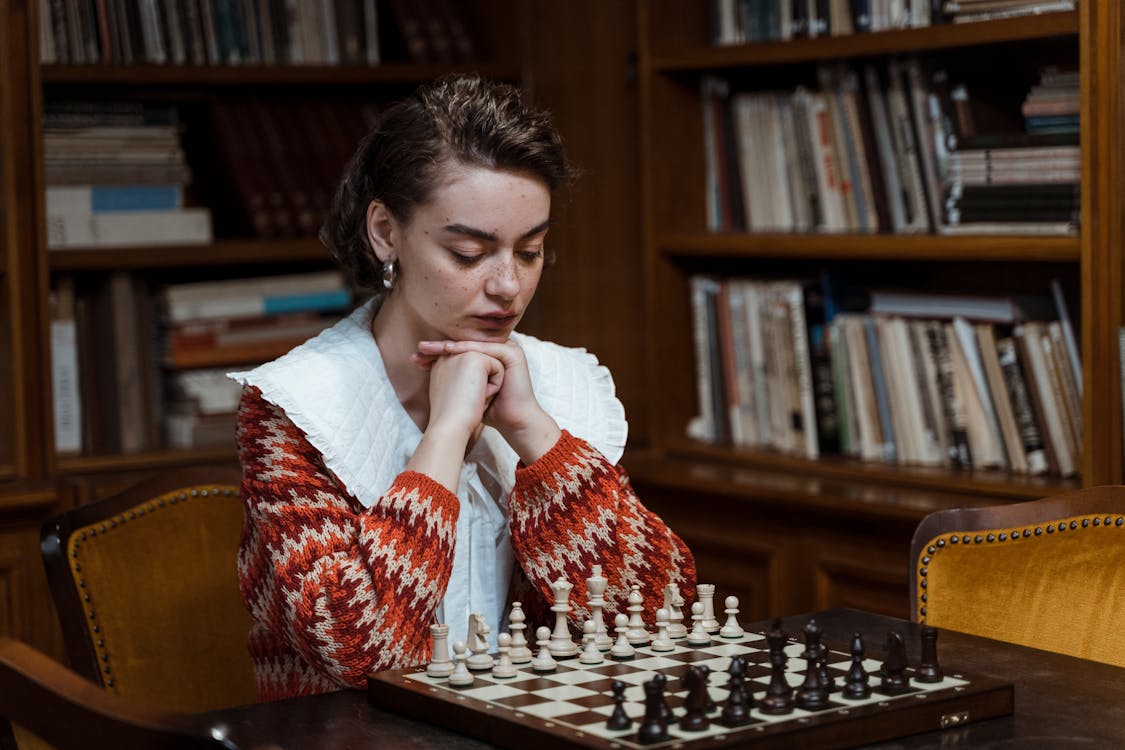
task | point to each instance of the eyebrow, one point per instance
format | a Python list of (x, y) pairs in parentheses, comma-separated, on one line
[(480, 234)]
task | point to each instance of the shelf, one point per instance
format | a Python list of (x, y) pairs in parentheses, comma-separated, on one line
[(262, 75), (944, 36), (220, 252), (996, 483), (148, 460), (925, 247)]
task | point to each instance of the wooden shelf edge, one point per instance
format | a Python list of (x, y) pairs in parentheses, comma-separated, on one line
[(942, 36), (997, 485), (923, 247), (28, 496), (220, 252), (140, 461), (270, 75)]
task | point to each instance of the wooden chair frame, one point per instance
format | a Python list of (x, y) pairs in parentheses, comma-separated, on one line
[(1108, 500), (54, 540)]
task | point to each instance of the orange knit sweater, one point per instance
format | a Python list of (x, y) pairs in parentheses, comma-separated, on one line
[(337, 590)]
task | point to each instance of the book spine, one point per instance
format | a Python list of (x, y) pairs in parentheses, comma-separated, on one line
[(958, 437), (88, 199), (879, 380), (65, 375), (1030, 434), (248, 306), (189, 226)]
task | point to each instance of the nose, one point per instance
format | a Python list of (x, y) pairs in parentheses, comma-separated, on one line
[(503, 281)]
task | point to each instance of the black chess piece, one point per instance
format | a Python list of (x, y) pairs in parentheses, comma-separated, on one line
[(709, 704), (928, 669), (856, 684), (618, 719), (778, 699), (827, 681), (665, 711), (695, 703), (736, 711), (895, 680), (653, 727), (813, 693)]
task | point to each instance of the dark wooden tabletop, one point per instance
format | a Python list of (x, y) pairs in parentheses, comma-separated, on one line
[(1061, 702)]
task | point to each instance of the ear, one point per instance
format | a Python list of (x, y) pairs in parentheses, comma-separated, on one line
[(381, 231)]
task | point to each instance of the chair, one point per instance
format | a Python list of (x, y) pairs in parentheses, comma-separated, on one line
[(60, 707), (146, 586), (1047, 573)]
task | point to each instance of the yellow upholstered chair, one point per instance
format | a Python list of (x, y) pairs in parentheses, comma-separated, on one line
[(43, 701), (146, 586), (1047, 573)]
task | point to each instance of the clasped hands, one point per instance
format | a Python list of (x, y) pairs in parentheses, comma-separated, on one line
[(474, 383)]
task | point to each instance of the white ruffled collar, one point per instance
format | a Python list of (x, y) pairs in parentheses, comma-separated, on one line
[(335, 388)]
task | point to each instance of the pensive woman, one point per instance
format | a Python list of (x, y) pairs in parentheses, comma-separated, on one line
[(420, 460)]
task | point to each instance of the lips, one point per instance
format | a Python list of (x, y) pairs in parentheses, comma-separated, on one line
[(495, 322)]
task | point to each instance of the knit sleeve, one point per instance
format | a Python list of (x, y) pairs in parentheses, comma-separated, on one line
[(349, 589), (571, 510)]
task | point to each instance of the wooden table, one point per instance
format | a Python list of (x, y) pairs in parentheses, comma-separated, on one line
[(1060, 701)]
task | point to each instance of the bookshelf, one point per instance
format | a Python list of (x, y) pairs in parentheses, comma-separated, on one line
[(797, 533)]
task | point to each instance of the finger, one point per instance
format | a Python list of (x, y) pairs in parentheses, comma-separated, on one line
[(509, 352), (422, 361)]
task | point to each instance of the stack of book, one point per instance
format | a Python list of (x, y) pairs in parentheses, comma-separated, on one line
[(967, 11), (747, 21), (216, 326), (116, 176), (1021, 182), (926, 379)]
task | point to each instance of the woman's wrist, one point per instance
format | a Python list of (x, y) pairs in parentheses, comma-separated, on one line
[(440, 454), (533, 439)]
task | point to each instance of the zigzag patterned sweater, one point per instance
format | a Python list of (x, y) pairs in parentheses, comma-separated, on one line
[(337, 590)]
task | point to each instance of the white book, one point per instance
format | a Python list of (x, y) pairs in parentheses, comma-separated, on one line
[(186, 226), (258, 286), (969, 348), (64, 386)]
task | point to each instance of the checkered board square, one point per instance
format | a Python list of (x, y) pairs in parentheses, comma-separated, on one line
[(569, 707)]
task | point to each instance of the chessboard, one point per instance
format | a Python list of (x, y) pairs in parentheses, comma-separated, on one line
[(570, 706)]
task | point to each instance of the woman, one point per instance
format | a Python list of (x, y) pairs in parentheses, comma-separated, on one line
[(420, 461)]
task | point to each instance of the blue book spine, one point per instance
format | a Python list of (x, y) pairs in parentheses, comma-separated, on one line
[(874, 353), (104, 198), (336, 299)]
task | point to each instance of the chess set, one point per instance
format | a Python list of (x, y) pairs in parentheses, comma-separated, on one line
[(712, 686)]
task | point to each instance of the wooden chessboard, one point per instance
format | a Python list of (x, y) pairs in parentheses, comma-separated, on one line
[(569, 707)]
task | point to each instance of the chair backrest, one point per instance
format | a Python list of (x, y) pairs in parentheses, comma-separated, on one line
[(146, 586), (59, 707), (1047, 573)]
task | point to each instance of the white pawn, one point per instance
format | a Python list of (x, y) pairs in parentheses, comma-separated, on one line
[(698, 636), (622, 649), (662, 642), (520, 653), (543, 661), (504, 667), (461, 676), (440, 665), (706, 592), (637, 634), (731, 629), (590, 653)]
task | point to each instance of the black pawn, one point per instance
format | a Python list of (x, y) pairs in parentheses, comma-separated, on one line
[(826, 679), (661, 679), (895, 680), (709, 704), (778, 699), (653, 727), (736, 712), (929, 670), (856, 684), (813, 694), (695, 703), (618, 719)]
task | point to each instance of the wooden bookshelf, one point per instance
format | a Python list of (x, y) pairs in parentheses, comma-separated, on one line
[(230, 252)]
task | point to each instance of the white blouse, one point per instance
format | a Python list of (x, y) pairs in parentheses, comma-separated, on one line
[(335, 388)]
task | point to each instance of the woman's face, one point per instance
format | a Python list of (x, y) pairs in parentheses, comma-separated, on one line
[(471, 258)]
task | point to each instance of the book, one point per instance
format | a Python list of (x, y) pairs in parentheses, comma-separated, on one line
[(65, 375), (952, 400), (185, 226), (83, 199), (1001, 401), (1028, 337), (1031, 436), (946, 306)]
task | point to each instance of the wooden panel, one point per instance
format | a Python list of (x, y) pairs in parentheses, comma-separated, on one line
[(869, 574)]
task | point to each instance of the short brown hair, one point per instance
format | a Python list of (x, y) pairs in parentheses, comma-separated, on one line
[(456, 119)]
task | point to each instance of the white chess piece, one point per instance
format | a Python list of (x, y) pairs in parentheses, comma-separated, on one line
[(637, 634), (622, 648), (706, 592), (504, 667), (520, 653), (561, 644), (595, 586), (461, 676), (662, 642), (731, 629), (543, 661), (698, 636), (673, 601), (590, 653), (479, 659), (440, 664)]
